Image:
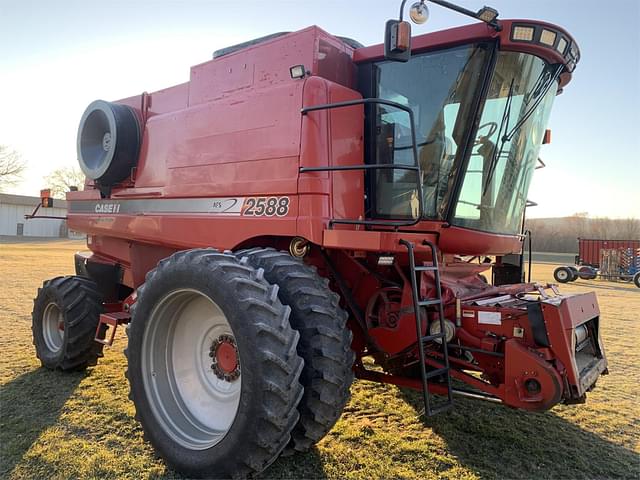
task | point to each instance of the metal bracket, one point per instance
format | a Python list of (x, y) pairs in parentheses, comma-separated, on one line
[(112, 319)]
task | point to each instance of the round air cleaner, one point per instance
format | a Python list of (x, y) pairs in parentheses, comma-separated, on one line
[(108, 142)]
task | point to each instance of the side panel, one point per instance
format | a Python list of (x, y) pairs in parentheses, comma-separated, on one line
[(347, 148), (330, 138), (245, 144)]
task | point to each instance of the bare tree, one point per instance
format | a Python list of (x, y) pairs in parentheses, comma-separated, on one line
[(561, 234), (12, 166), (630, 228), (60, 180)]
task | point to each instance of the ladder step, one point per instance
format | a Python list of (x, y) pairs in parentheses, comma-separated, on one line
[(439, 409), (426, 268), (426, 303), (435, 336), (437, 372)]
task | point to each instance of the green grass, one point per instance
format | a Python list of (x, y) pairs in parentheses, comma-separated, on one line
[(81, 425)]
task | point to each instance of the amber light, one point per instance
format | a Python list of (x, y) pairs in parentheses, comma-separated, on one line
[(403, 39), (45, 198)]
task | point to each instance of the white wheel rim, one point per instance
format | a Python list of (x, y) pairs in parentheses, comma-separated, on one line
[(53, 327), (193, 398), (562, 274)]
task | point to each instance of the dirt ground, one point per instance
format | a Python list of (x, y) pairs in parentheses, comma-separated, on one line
[(81, 425)]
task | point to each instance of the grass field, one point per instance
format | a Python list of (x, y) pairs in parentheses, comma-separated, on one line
[(55, 425)]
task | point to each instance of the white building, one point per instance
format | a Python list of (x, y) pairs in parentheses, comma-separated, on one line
[(13, 208)]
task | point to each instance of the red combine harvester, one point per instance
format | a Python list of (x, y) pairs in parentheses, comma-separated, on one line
[(304, 206)]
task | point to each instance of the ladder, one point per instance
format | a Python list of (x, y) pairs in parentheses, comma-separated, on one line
[(430, 408)]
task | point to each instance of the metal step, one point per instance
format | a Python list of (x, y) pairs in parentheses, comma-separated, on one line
[(426, 303), (426, 268), (438, 372), (435, 336), (111, 319)]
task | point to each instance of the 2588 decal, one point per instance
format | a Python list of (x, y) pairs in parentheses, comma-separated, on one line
[(266, 206)]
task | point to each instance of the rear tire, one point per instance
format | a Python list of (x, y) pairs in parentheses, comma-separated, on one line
[(206, 414), (587, 273), (575, 275), (65, 317), (636, 279), (562, 274), (325, 342)]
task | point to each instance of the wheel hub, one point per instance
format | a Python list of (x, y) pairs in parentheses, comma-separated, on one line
[(106, 142), (53, 327), (224, 358)]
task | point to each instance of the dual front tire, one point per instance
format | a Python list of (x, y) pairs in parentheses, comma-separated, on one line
[(235, 358)]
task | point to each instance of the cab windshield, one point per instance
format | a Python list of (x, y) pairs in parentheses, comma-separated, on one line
[(442, 88), (507, 143)]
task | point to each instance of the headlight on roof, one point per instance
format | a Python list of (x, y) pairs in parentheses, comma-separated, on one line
[(522, 34)]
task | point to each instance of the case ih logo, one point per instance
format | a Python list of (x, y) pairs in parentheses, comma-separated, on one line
[(107, 208)]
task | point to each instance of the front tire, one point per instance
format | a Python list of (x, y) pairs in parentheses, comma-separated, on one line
[(65, 316), (213, 368), (325, 342)]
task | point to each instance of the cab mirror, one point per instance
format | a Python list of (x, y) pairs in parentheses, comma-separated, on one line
[(397, 41)]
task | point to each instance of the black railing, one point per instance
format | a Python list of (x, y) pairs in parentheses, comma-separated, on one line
[(415, 168)]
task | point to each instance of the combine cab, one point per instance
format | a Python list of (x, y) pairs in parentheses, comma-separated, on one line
[(303, 204)]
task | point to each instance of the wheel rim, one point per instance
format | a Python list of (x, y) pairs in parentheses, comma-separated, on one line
[(53, 327), (191, 369), (562, 275)]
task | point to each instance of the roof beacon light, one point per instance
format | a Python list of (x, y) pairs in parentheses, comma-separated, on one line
[(419, 13), (522, 34)]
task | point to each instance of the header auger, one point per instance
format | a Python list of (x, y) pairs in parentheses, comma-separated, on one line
[(304, 203)]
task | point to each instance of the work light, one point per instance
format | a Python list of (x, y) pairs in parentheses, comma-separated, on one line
[(548, 37), (522, 34), (297, 71), (487, 14)]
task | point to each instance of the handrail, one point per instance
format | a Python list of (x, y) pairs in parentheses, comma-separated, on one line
[(416, 167)]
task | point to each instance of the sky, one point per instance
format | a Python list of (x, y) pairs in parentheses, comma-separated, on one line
[(58, 56)]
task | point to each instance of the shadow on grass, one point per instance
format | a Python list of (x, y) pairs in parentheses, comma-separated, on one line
[(308, 465), (30, 404), (500, 442), (599, 286)]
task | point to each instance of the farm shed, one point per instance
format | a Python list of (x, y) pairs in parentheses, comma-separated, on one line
[(13, 208)]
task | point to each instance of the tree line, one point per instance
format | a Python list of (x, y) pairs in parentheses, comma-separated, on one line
[(561, 234)]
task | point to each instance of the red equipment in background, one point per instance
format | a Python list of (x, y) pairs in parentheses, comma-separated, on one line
[(589, 249), (617, 260)]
